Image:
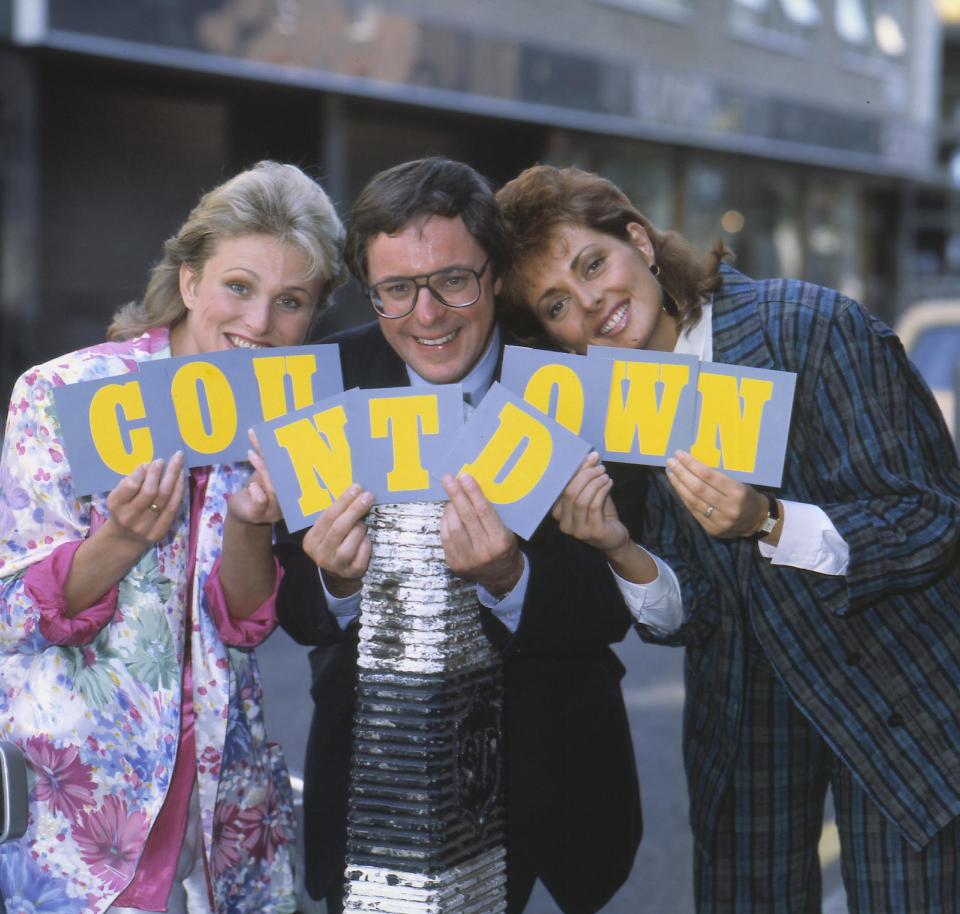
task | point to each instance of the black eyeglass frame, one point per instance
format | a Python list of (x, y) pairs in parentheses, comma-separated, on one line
[(423, 282)]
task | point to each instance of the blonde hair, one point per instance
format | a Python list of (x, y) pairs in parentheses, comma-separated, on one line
[(269, 199)]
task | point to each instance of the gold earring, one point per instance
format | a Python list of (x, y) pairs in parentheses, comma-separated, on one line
[(655, 269)]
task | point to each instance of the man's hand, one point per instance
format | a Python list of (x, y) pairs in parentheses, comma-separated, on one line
[(338, 542), (256, 502), (476, 544)]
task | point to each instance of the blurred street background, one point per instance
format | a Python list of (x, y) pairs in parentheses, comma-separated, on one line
[(816, 138)]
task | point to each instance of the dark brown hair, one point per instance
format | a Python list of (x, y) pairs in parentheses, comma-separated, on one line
[(433, 186), (543, 198)]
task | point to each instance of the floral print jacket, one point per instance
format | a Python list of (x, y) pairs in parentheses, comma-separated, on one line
[(99, 722)]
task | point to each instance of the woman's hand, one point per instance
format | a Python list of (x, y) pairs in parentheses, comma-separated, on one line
[(724, 507), (247, 565), (142, 509), (586, 512), (256, 502), (144, 504)]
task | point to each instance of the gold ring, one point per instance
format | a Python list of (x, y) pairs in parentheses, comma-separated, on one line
[(153, 506), (709, 511)]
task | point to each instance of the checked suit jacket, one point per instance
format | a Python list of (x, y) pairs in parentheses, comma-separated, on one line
[(573, 806), (871, 658)]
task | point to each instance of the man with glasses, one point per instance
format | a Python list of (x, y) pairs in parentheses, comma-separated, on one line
[(426, 241)]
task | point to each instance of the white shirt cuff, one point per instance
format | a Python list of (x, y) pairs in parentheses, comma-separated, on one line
[(509, 608), (808, 540), (657, 605), (346, 609)]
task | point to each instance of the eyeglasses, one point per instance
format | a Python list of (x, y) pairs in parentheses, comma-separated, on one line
[(457, 287)]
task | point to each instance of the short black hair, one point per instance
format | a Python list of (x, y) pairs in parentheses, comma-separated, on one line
[(434, 186)]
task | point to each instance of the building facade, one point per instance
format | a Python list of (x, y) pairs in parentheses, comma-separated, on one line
[(804, 133)]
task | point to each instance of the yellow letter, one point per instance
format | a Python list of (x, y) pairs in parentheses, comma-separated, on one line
[(516, 430), (320, 453), (736, 423), (271, 370), (569, 394), (638, 414), (222, 407), (403, 419), (105, 427)]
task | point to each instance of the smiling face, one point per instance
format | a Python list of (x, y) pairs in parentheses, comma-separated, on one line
[(439, 343), (252, 292), (590, 288)]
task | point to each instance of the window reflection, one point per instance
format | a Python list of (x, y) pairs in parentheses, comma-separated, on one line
[(834, 221), (645, 174), (755, 210), (793, 17), (873, 26), (777, 221), (655, 6)]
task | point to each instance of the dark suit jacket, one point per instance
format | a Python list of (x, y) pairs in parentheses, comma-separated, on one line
[(871, 658), (573, 805)]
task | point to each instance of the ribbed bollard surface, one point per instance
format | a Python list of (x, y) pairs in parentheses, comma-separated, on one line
[(425, 826)]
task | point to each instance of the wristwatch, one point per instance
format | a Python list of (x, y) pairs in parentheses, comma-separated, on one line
[(770, 521)]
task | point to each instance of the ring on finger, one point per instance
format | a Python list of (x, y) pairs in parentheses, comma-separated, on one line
[(709, 511), (153, 506)]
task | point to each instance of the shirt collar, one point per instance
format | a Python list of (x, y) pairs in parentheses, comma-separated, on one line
[(478, 379), (698, 339)]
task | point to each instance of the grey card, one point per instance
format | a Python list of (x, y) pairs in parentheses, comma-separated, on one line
[(309, 458), (110, 426), (648, 404), (521, 458), (280, 380), (569, 388), (203, 396), (743, 421), (396, 433)]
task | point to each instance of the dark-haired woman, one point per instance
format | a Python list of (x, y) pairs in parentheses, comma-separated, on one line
[(823, 634)]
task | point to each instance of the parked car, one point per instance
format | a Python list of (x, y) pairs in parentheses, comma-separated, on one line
[(930, 333)]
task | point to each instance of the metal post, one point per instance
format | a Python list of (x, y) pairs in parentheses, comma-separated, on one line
[(425, 828)]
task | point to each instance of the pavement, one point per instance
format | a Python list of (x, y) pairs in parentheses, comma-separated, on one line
[(660, 882)]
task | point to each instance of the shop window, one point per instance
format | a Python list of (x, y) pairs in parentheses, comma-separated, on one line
[(754, 210), (790, 17), (835, 235), (708, 195), (669, 9), (645, 174), (875, 27)]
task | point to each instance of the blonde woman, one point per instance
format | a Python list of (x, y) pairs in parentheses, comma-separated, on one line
[(127, 619)]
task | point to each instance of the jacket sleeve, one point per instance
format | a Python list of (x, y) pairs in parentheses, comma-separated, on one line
[(659, 531), (38, 508), (572, 606), (301, 604), (886, 457)]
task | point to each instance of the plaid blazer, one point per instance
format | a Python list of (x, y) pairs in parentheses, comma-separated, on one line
[(871, 658)]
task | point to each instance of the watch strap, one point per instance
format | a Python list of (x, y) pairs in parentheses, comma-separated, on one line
[(770, 521)]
